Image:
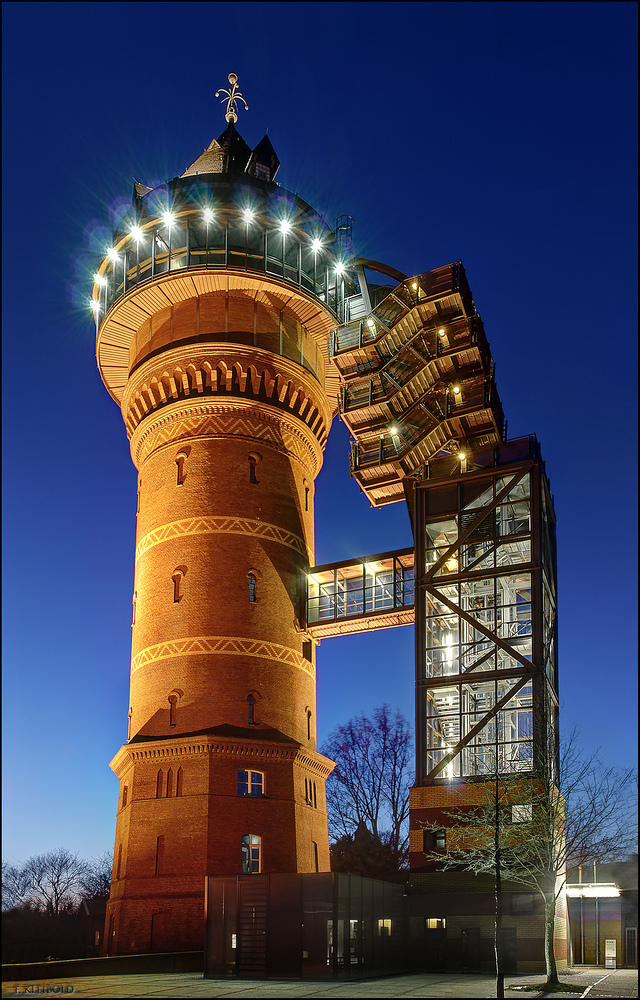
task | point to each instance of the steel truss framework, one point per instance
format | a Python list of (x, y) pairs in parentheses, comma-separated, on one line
[(486, 683)]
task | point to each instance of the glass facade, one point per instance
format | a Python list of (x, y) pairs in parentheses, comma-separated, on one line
[(485, 620), (371, 585), (302, 255)]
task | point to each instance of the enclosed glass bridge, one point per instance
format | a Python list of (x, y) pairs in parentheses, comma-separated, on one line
[(367, 593)]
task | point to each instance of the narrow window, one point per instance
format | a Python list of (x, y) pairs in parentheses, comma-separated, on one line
[(315, 800), (119, 865), (441, 840), (129, 723), (177, 577), (133, 613), (125, 792), (315, 856), (306, 507), (169, 783), (306, 791), (181, 458), (159, 785), (251, 854), (252, 588), (308, 714), (252, 709), (159, 854), (138, 500), (179, 782), (252, 469), (173, 704), (251, 783)]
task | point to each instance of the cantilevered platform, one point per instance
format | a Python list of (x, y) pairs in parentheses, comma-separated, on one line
[(417, 382)]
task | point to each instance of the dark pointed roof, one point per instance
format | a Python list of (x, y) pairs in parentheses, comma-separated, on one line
[(236, 151), (264, 162)]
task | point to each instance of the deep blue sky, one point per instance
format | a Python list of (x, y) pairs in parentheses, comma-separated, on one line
[(502, 134)]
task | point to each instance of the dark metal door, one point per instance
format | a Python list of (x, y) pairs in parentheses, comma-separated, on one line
[(252, 926)]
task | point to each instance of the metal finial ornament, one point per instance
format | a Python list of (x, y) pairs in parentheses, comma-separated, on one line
[(233, 95)]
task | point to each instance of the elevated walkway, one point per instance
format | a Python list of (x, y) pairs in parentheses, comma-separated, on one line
[(370, 592)]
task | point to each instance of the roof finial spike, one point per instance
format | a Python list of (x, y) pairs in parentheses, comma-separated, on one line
[(233, 95)]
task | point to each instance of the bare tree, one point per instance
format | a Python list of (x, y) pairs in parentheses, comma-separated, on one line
[(15, 885), (54, 881), (530, 831), (370, 784), (97, 879)]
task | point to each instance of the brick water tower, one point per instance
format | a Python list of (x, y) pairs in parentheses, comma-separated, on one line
[(213, 310)]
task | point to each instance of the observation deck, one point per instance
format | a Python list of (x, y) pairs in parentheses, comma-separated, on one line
[(417, 381), (212, 233)]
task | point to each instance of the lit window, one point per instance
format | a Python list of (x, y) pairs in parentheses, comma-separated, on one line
[(435, 923), (384, 927), (251, 854), (252, 588), (441, 840), (250, 783), (522, 813)]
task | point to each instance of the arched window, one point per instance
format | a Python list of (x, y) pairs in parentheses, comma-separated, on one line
[(180, 460), (133, 613), (254, 458), (169, 783), (308, 715), (251, 701), (179, 782), (159, 785), (119, 864), (252, 588), (125, 793), (177, 576), (138, 500), (251, 854), (173, 705)]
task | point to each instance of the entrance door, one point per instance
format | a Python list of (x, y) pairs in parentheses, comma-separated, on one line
[(252, 926), (631, 948), (470, 949)]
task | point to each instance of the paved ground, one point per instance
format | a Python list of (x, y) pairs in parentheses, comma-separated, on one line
[(592, 983)]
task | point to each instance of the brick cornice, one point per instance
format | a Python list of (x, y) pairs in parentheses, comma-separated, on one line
[(225, 372), (178, 750)]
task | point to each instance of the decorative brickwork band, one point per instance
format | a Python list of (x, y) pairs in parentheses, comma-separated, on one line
[(221, 646), (228, 420), (222, 526)]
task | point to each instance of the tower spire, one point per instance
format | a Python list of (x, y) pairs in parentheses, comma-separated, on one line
[(233, 95)]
